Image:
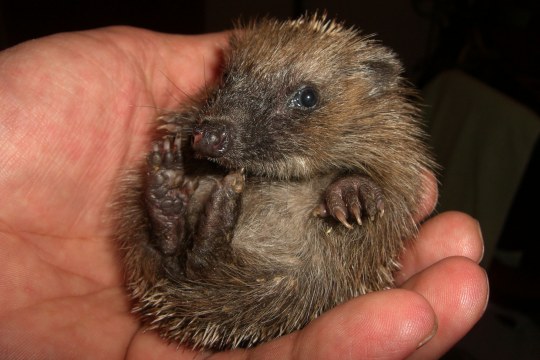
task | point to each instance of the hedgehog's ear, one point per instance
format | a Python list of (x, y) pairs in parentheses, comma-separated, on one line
[(383, 74)]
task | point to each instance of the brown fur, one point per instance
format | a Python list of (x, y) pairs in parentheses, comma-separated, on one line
[(278, 266)]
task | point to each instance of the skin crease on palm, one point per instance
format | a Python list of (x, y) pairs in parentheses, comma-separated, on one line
[(77, 108)]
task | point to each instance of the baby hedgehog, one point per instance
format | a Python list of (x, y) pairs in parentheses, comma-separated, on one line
[(283, 191)]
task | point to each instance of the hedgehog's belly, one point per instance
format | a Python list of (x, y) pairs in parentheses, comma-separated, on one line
[(277, 221)]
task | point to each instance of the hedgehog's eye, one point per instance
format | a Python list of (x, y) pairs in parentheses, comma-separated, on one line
[(305, 98)]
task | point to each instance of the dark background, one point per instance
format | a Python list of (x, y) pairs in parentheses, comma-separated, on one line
[(497, 42)]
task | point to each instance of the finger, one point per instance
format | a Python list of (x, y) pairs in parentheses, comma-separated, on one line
[(447, 234), (429, 197), (457, 289), (189, 64), (384, 325)]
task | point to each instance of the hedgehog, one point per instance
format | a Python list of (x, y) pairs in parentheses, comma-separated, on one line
[(284, 189)]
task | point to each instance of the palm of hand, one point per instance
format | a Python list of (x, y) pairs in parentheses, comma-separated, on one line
[(85, 119)]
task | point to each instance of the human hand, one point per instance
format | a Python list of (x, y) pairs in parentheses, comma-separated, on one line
[(76, 110)]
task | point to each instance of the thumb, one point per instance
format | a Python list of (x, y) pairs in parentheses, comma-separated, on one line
[(179, 66)]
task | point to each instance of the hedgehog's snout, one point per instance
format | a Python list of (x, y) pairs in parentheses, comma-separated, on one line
[(211, 139)]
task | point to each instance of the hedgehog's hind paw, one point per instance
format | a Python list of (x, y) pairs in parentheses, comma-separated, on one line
[(167, 195)]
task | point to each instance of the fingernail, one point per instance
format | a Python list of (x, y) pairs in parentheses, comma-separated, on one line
[(482, 239), (429, 337)]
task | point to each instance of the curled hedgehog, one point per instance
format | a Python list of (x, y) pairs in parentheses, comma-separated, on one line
[(288, 188)]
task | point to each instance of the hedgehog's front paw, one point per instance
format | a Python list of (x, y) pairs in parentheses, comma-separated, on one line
[(235, 181), (353, 196), (167, 195)]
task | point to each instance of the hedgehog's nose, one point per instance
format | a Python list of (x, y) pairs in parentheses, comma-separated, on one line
[(210, 140)]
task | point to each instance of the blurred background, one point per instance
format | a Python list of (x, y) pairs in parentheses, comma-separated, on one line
[(477, 63)]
